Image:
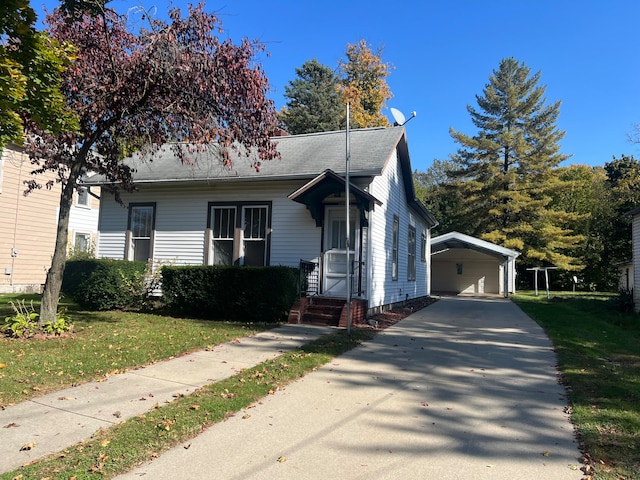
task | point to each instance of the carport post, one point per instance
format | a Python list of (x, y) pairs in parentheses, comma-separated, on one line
[(506, 278)]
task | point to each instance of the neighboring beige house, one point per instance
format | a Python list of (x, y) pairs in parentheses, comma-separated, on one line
[(28, 224)]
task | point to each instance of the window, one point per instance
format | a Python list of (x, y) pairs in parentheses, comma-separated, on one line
[(411, 254), (140, 231), (254, 239), (423, 247), (223, 226), (394, 248), (239, 234), (82, 242), (339, 234), (83, 199)]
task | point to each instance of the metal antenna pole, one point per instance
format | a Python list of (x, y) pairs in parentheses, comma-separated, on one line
[(347, 240)]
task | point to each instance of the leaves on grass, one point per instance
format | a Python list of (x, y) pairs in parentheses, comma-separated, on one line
[(227, 394)]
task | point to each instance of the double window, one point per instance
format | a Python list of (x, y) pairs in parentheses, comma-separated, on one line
[(140, 231), (239, 233)]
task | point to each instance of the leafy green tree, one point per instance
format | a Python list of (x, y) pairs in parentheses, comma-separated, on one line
[(314, 101), (623, 183), (506, 172), (364, 85), (31, 66), (175, 81), (590, 198), (436, 189)]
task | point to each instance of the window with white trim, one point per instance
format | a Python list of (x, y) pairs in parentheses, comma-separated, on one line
[(82, 242), (394, 248), (83, 199), (140, 231), (411, 254), (423, 247), (239, 233)]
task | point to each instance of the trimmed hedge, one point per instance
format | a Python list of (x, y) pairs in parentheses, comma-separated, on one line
[(102, 284), (248, 294)]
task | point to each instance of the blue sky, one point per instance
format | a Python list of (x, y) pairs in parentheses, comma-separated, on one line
[(443, 52)]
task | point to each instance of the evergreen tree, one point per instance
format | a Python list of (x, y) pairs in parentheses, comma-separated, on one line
[(364, 85), (506, 172), (314, 102)]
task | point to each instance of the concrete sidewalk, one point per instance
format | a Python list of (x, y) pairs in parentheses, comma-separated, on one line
[(58, 420), (463, 389)]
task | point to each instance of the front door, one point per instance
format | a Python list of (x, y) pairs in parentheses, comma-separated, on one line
[(335, 255)]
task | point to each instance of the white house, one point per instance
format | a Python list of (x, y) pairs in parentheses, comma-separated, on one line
[(465, 264), (292, 212), (635, 235)]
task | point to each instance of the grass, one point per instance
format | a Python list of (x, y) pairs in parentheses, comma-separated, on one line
[(104, 343), (598, 351), (122, 447)]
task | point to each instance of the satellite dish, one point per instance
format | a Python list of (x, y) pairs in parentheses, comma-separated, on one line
[(398, 117)]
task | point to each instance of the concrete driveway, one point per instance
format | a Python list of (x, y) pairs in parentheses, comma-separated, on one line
[(463, 389)]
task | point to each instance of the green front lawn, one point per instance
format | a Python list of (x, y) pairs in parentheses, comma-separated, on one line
[(107, 343), (103, 343), (598, 350)]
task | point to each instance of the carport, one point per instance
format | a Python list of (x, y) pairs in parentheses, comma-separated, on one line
[(464, 264)]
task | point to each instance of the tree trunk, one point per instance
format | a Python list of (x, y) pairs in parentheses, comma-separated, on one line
[(53, 284)]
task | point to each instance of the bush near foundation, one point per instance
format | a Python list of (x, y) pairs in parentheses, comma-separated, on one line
[(102, 284), (248, 294)]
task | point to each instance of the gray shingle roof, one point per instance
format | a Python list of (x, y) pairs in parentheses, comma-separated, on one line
[(302, 156)]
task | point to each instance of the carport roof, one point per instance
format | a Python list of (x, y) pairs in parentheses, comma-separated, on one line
[(453, 240)]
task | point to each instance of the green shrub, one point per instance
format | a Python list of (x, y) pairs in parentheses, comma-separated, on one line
[(24, 322), (261, 294), (102, 284)]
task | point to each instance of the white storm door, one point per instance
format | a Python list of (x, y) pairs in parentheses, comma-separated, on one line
[(335, 255)]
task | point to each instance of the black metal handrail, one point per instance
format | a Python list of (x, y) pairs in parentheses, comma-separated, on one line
[(309, 280)]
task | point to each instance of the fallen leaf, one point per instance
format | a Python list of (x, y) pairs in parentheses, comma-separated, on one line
[(11, 425), (186, 447), (545, 453), (117, 414), (195, 407), (104, 442), (245, 416), (28, 446), (3, 365), (282, 459)]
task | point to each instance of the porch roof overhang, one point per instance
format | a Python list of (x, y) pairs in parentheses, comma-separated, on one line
[(313, 193), (453, 240)]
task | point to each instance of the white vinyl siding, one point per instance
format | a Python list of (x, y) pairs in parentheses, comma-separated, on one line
[(181, 222), (383, 291)]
